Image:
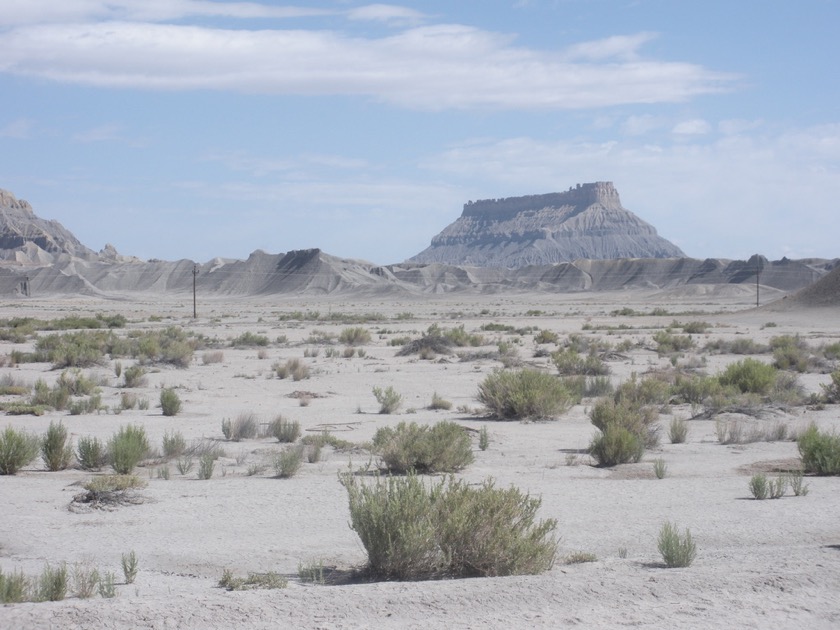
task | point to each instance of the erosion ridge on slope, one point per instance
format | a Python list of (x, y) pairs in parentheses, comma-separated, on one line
[(585, 222), (67, 267)]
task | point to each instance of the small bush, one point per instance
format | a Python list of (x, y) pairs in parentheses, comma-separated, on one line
[(295, 368), (85, 581), (668, 343), (206, 464), (56, 449), (245, 427), (414, 531), (569, 363), (174, 444), (444, 447), (283, 430), (127, 448), (52, 585), (170, 403), (134, 376), (759, 487), (616, 445), (249, 339), (524, 394), (640, 420), (107, 585), (749, 376), (355, 336), (439, 403), (545, 336), (130, 566), (660, 468), (389, 400), (17, 449), (91, 453), (831, 392), (288, 462), (14, 587), (677, 550), (215, 356), (268, 580), (678, 431), (483, 439), (820, 451)]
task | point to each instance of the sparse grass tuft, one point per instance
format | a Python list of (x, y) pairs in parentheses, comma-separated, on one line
[(286, 431), (288, 462), (439, 403), (91, 453), (130, 565)]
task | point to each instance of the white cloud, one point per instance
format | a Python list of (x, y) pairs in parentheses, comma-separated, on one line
[(693, 127), (19, 128), (386, 13), (102, 133), (619, 46), (639, 125), (431, 67)]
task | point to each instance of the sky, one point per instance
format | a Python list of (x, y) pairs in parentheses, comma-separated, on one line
[(195, 129)]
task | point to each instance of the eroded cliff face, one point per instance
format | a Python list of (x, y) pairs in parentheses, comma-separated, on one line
[(24, 236), (587, 221)]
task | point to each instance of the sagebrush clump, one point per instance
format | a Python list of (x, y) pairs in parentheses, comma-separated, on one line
[(524, 394), (412, 530), (443, 447)]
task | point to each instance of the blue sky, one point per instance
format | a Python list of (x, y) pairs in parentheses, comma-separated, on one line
[(197, 128)]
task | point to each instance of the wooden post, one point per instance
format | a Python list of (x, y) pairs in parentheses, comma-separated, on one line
[(195, 273)]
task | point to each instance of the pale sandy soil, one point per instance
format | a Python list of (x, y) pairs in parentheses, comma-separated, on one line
[(760, 564)]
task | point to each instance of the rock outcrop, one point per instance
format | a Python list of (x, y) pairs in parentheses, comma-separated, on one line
[(585, 222), (27, 239)]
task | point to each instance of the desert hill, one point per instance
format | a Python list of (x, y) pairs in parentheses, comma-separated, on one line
[(585, 222), (41, 257)]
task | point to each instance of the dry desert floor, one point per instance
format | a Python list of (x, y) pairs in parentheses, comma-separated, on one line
[(759, 564)]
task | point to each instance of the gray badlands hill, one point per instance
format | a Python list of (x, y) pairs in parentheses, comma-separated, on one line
[(43, 258), (585, 222)]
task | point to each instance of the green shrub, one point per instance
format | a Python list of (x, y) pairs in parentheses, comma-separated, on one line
[(759, 486), (91, 453), (524, 394), (127, 448), (831, 392), (170, 403), (268, 580), (647, 391), (283, 430), (668, 343), (288, 461), (130, 566), (749, 376), (56, 449), (206, 464), (14, 587), (695, 389), (678, 431), (443, 447), (641, 420), (616, 445), (569, 363), (295, 368), (245, 427), (439, 403), (355, 336), (414, 531), (135, 376), (174, 444), (483, 439), (660, 468), (52, 585), (389, 400), (85, 581), (676, 550), (249, 339), (820, 451), (17, 449), (57, 397)]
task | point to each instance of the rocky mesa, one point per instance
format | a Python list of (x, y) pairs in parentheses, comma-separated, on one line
[(585, 222)]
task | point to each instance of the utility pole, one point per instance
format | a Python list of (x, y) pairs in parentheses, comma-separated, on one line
[(758, 265), (195, 273)]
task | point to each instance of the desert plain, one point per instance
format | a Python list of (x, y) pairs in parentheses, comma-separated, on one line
[(759, 564)]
